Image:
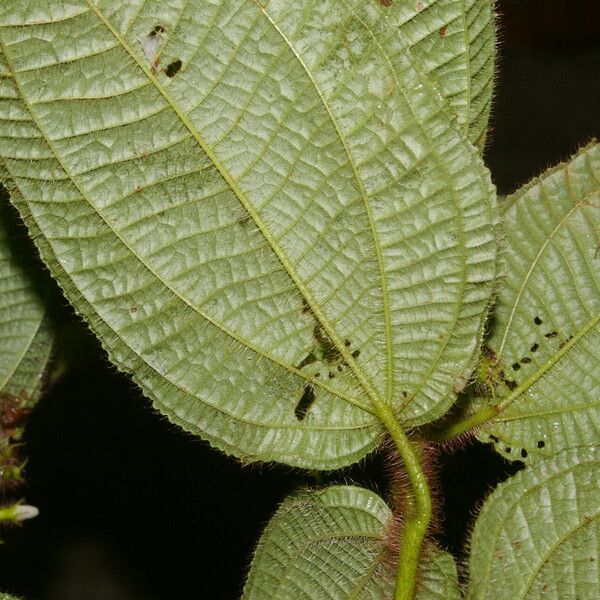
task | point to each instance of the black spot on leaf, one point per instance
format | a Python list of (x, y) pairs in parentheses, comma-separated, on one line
[(305, 402), (356, 354), (538, 321), (493, 438), (508, 449), (516, 366), (535, 347), (511, 385), (526, 360), (328, 351), (541, 444), (347, 343), (523, 453), (565, 342), (551, 335), (158, 29), (307, 360), (173, 68)]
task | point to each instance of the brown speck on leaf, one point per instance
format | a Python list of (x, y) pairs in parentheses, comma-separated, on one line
[(420, 6), (443, 31), (386, 3)]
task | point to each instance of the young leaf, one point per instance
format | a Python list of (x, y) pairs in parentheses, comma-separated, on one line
[(334, 544), (25, 334), (269, 224), (546, 331), (538, 534)]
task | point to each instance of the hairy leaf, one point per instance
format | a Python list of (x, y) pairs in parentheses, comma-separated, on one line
[(335, 544), (266, 217), (538, 534), (25, 333), (451, 40), (546, 336)]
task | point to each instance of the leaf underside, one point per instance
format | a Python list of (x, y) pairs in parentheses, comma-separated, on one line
[(538, 534), (268, 217), (25, 333), (546, 337), (333, 544)]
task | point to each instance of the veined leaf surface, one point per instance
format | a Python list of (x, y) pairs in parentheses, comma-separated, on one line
[(453, 41), (334, 544), (265, 218), (537, 536), (25, 334), (546, 337)]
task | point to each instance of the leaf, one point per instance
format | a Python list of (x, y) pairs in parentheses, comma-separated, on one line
[(269, 225), (453, 41), (335, 544), (25, 332), (546, 334), (538, 534)]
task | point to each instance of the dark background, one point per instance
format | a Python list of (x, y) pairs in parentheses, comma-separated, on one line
[(134, 509)]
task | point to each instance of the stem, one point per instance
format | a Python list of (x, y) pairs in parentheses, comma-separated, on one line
[(416, 523), (458, 428), (8, 513)]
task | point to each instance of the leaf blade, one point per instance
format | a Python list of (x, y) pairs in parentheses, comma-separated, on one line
[(347, 529), (299, 309), (547, 320), (26, 336), (538, 532)]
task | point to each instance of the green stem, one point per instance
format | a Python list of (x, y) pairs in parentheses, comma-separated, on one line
[(418, 507), (458, 428), (8, 513)]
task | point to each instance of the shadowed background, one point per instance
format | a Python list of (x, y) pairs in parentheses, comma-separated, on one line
[(134, 509)]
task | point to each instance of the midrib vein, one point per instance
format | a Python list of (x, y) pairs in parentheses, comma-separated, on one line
[(368, 388), (536, 259), (242, 341), (364, 197), (443, 170), (534, 377)]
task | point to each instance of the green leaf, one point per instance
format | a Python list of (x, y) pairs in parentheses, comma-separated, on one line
[(267, 220), (336, 544), (538, 534), (546, 331), (25, 332), (453, 41)]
